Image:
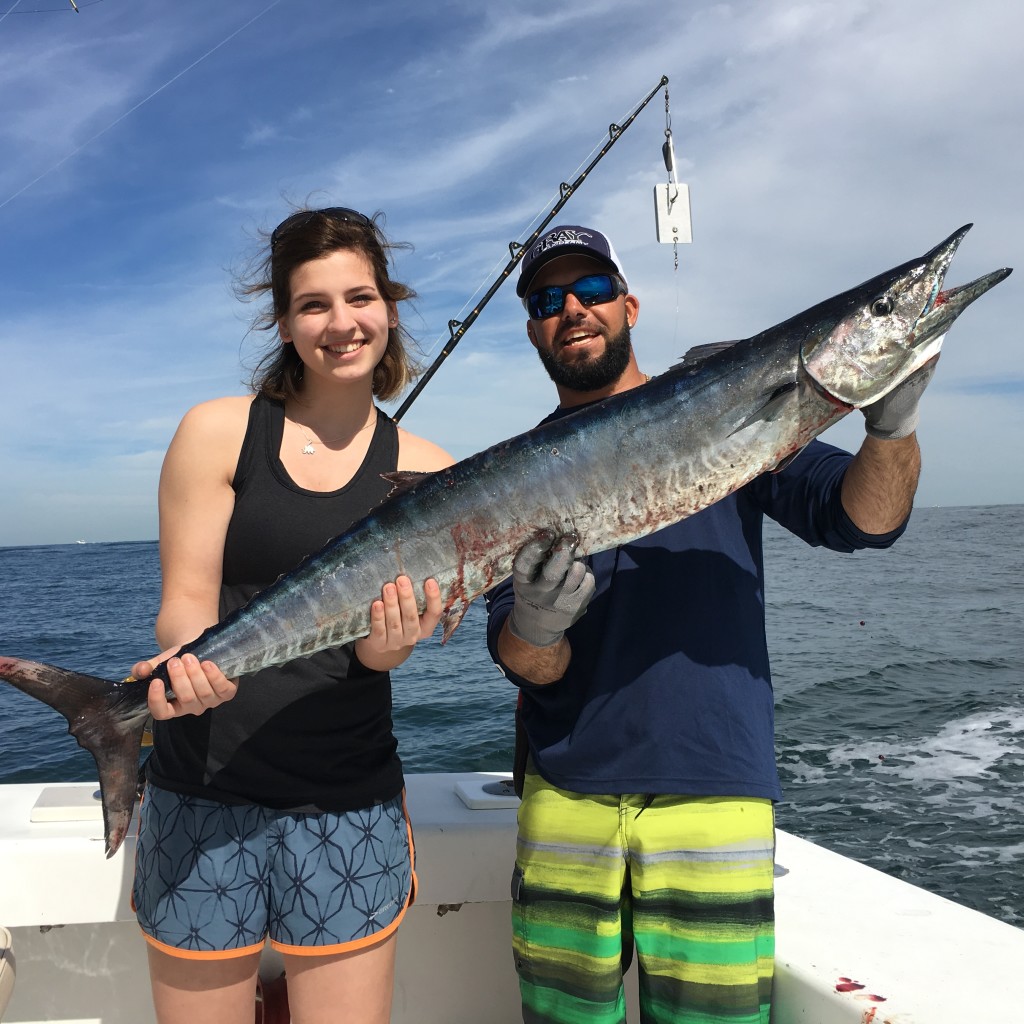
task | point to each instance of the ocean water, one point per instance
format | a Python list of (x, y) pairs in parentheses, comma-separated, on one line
[(899, 680)]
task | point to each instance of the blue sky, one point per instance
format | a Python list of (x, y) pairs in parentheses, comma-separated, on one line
[(145, 142)]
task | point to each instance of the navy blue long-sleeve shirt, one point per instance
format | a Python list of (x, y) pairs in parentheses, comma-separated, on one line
[(669, 689)]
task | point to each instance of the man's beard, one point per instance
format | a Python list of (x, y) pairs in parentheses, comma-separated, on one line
[(591, 374)]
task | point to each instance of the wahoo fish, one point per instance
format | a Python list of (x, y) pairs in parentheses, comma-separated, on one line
[(608, 473)]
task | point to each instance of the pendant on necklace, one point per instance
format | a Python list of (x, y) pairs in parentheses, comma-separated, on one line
[(309, 449)]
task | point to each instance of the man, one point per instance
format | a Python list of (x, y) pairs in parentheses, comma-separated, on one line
[(647, 806)]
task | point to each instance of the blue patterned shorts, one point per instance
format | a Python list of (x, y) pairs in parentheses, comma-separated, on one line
[(213, 880)]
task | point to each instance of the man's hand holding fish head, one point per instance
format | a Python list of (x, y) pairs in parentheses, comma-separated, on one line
[(881, 481)]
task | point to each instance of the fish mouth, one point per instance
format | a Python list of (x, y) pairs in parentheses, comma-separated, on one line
[(936, 262), (930, 270), (949, 304)]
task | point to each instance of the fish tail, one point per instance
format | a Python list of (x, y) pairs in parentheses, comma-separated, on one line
[(106, 717)]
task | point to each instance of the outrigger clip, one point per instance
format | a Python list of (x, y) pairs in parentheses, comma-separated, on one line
[(671, 200)]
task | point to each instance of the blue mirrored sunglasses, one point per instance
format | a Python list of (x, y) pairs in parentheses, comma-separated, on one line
[(592, 290), (303, 217)]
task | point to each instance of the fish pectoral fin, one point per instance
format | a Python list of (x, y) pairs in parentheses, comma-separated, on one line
[(403, 480), (788, 460), (777, 403), (107, 719), (451, 617)]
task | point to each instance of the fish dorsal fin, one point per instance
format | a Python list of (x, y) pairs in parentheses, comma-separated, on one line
[(699, 353), (404, 480)]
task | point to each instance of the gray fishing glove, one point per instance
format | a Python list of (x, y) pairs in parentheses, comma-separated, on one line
[(552, 589), (896, 414)]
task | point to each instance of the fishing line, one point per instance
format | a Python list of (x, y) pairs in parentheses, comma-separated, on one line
[(9, 11), (457, 328), (672, 196), (672, 185), (141, 102), (71, 7)]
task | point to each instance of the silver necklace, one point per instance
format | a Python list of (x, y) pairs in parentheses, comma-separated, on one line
[(308, 449)]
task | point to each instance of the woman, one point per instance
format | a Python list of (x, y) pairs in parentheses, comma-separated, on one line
[(281, 812)]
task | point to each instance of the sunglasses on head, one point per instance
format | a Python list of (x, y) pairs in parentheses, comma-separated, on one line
[(592, 290), (303, 217)]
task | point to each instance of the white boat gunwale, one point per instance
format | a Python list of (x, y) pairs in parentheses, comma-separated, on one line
[(852, 943)]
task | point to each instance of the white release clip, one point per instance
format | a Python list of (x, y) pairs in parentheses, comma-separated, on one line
[(672, 212), (671, 200)]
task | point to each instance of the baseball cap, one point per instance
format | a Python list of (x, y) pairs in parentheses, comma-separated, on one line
[(565, 240)]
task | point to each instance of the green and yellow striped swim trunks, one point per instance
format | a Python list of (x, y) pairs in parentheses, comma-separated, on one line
[(688, 880)]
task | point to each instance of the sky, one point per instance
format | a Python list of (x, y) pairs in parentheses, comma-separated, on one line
[(144, 144)]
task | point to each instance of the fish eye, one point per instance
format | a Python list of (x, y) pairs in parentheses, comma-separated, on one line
[(882, 306)]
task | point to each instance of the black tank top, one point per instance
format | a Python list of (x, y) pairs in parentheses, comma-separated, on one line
[(315, 734)]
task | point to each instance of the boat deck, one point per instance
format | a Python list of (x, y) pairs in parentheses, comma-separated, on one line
[(853, 944)]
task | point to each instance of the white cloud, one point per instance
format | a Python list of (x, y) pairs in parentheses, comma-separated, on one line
[(823, 142)]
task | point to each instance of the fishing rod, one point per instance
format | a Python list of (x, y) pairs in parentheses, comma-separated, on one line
[(457, 328)]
